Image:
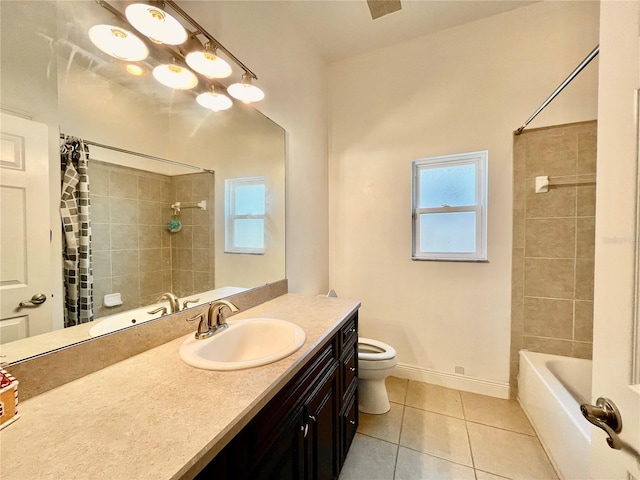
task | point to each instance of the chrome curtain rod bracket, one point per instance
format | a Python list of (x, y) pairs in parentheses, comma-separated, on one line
[(138, 154), (566, 82)]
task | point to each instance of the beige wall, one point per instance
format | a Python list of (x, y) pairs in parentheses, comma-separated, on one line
[(553, 242), (461, 90)]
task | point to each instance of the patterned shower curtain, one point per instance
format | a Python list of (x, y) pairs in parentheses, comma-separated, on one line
[(76, 225)]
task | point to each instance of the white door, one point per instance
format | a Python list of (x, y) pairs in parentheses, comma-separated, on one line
[(616, 354), (24, 228)]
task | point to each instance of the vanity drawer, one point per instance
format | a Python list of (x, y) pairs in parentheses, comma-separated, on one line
[(349, 365), (349, 331), (349, 421)]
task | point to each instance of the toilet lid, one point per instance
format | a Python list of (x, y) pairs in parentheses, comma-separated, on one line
[(369, 349)]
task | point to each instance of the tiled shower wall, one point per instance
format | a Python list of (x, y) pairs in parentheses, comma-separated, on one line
[(553, 242), (133, 252)]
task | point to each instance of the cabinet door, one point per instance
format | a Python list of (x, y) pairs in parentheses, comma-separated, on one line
[(322, 445)]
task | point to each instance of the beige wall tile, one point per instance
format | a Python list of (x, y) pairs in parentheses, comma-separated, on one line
[(552, 155), (129, 288), (167, 255), (167, 283), (150, 236), (590, 126), (584, 279), (151, 260), (547, 345), (517, 305), (98, 179), (101, 287), (183, 238), (557, 202), (517, 270), (182, 259), (583, 324), (123, 211), (182, 282), (100, 236), (586, 202), (202, 260), (202, 282), (99, 209), (101, 263), (150, 284), (550, 237), (201, 236), (547, 317), (124, 185), (586, 153), (150, 213), (518, 228), (124, 237), (585, 238), (151, 188), (552, 278), (582, 350), (124, 262)]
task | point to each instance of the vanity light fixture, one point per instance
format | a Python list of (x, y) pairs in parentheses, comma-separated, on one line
[(156, 24), (175, 76), (118, 43), (245, 91), (208, 63), (135, 69), (214, 101)]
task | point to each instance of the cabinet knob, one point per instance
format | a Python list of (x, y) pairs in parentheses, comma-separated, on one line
[(312, 418), (353, 369), (352, 422), (305, 428)]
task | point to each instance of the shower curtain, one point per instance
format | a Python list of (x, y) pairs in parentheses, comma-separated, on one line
[(76, 225)]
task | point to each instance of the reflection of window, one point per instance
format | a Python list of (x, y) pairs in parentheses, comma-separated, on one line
[(450, 207), (244, 215)]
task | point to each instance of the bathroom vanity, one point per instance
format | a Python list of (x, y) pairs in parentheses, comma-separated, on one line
[(306, 430), (153, 416)]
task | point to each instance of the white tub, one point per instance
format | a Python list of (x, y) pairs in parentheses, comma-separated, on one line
[(550, 390), (118, 321)]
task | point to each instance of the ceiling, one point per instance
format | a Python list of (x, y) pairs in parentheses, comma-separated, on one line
[(343, 28)]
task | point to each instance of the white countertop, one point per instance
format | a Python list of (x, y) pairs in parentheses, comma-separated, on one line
[(153, 416)]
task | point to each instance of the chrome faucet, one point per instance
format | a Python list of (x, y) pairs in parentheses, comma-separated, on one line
[(216, 309), (174, 303)]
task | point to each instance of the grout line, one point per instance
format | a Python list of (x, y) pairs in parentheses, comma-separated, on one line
[(395, 466)]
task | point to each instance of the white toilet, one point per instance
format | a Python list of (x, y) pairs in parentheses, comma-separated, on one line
[(375, 363)]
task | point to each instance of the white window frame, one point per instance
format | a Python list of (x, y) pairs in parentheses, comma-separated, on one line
[(230, 186), (481, 160)]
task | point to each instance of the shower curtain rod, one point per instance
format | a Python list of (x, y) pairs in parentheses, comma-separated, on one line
[(138, 154), (566, 82)]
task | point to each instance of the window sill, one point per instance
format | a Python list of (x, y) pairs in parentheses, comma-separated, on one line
[(467, 260)]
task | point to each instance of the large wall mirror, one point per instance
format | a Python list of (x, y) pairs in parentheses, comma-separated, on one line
[(159, 221)]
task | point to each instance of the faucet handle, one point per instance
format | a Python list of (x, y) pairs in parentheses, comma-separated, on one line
[(188, 301), (157, 310), (203, 327)]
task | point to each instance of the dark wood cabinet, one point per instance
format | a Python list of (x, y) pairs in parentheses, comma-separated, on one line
[(305, 431)]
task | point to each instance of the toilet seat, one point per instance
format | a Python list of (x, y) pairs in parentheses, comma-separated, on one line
[(374, 350)]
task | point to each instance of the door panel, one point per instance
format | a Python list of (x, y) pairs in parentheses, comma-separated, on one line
[(24, 228)]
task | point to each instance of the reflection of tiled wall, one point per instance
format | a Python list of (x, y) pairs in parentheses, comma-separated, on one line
[(131, 249), (553, 243), (192, 247)]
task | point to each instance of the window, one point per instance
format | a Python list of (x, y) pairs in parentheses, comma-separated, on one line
[(244, 215), (450, 207)]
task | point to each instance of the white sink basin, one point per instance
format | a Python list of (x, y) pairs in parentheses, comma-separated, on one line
[(244, 344)]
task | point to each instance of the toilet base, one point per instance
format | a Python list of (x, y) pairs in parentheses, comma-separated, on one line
[(372, 397)]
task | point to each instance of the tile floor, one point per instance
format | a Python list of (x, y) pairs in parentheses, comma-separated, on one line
[(433, 432)]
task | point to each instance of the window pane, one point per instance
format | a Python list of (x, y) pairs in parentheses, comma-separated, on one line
[(448, 232), (249, 200), (453, 186), (249, 233)]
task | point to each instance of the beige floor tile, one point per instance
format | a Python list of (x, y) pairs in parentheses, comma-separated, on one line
[(412, 465), (495, 412), (435, 434), (508, 454), (480, 475), (396, 389), (369, 459), (434, 398), (385, 426)]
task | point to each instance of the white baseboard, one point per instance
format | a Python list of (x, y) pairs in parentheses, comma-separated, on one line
[(452, 380)]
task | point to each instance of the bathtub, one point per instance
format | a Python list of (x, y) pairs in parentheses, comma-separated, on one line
[(118, 321), (550, 390)]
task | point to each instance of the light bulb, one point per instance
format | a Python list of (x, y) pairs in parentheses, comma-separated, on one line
[(208, 63), (214, 101), (175, 76), (156, 24), (134, 69), (118, 43), (245, 91)]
